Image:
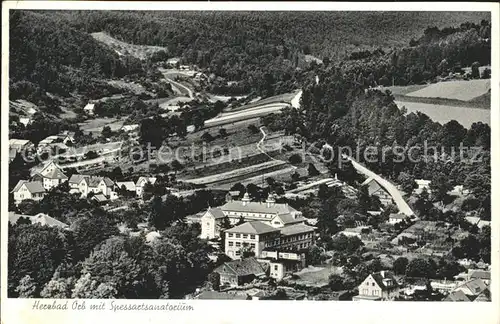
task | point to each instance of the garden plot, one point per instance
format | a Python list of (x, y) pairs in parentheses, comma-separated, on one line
[(459, 90)]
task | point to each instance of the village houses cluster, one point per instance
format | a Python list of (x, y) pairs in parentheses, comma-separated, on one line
[(50, 175)]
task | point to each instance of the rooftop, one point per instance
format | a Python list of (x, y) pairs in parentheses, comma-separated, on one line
[(220, 295), (32, 186), (129, 185), (243, 267), (42, 219), (56, 173), (380, 277), (296, 229), (258, 207), (255, 227), (216, 213), (398, 216), (92, 181), (456, 296), (479, 274)]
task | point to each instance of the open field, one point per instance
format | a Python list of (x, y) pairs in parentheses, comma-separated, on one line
[(459, 90), (139, 51), (133, 87), (315, 276), (238, 173), (282, 98), (254, 112), (97, 124), (403, 90), (443, 114)]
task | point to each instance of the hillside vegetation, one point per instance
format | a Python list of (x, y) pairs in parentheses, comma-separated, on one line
[(261, 50)]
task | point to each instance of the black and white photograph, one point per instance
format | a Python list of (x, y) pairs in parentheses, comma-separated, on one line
[(248, 155)]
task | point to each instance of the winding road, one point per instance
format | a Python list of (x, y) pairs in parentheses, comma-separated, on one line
[(391, 189)]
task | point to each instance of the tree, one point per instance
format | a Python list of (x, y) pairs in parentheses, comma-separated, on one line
[(335, 282), (420, 268), (253, 129), (475, 70), (35, 251), (176, 166), (312, 171), (440, 185), (27, 287), (89, 229), (399, 265), (407, 182), (214, 280), (113, 272), (106, 132), (295, 159), (314, 255), (486, 74), (241, 220), (223, 132), (207, 137), (363, 197), (295, 176)]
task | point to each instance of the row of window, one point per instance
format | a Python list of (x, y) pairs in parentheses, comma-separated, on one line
[(252, 215), (297, 237), (238, 244), (245, 236), (302, 245)]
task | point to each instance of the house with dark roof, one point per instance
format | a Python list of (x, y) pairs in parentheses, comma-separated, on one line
[(457, 296), (472, 288), (376, 189), (378, 286), (28, 190), (85, 184), (239, 272)]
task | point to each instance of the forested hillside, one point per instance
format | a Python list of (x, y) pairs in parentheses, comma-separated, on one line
[(436, 53), (48, 55), (261, 50)]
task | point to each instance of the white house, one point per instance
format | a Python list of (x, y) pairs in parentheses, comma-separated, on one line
[(65, 138), (210, 223), (141, 182), (269, 212), (20, 144), (85, 184), (396, 218), (50, 175), (378, 286), (421, 185), (89, 109), (25, 120), (28, 190)]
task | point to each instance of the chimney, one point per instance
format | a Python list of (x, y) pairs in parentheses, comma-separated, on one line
[(382, 273)]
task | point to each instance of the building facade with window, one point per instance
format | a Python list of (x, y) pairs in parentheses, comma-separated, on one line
[(257, 236), (254, 236), (269, 212), (378, 286)]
